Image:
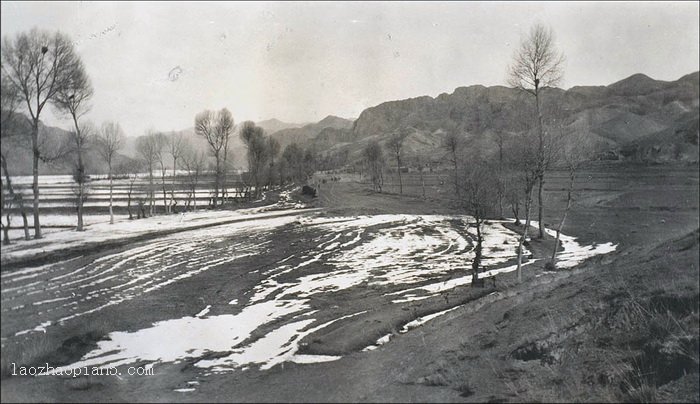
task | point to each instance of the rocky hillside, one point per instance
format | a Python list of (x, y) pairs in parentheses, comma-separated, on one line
[(636, 118)]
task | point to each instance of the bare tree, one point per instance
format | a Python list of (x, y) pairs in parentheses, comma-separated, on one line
[(160, 145), (310, 162), (146, 147), (500, 138), (479, 198), (39, 64), (512, 193), (258, 153), (109, 141), (537, 64), (194, 163), (216, 129), (73, 98), (81, 140), (574, 154), (374, 159), (524, 163), (11, 136), (293, 158), (453, 143), (176, 144), (130, 169), (395, 144), (421, 162), (273, 148)]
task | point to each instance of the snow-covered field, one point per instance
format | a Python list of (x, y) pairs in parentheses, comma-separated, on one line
[(411, 257), (58, 196)]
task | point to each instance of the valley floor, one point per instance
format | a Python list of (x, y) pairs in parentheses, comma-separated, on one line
[(314, 286)]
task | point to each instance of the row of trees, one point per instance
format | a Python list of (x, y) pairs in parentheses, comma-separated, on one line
[(266, 167), (40, 69), (487, 179)]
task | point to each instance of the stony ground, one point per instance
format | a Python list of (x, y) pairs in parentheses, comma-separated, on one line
[(622, 326)]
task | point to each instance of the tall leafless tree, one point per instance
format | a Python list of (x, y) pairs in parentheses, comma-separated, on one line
[(81, 140), (479, 198), (500, 137), (147, 149), (216, 128), (194, 162), (395, 144), (161, 143), (273, 147), (258, 154), (129, 168), (110, 139), (293, 158), (523, 160), (453, 143), (176, 145), (374, 159), (537, 64), (576, 151), (421, 162), (38, 64), (73, 99), (11, 136)]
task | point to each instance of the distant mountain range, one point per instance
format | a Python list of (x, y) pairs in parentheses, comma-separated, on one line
[(308, 133), (637, 118), (274, 125)]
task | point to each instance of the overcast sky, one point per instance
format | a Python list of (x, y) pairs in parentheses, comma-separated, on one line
[(155, 65)]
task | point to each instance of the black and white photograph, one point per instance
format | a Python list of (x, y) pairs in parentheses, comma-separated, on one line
[(350, 201)]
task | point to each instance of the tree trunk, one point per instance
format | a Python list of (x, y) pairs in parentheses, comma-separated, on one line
[(80, 213), (81, 171), (151, 192), (563, 218), (454, 157), (500, 200), (540, 207), (166, 208), (398, 169), (541, 162), (128, 205), (6, 232), (11, 196), (35, 176), (477, 252), (501, 183), (194, 196), (172, 186), (224, 191), (111, 211), (23, 212), (523, 237), (80, 194), (217, 178)]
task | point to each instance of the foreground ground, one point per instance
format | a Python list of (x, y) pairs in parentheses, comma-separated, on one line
[(622, 325)]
